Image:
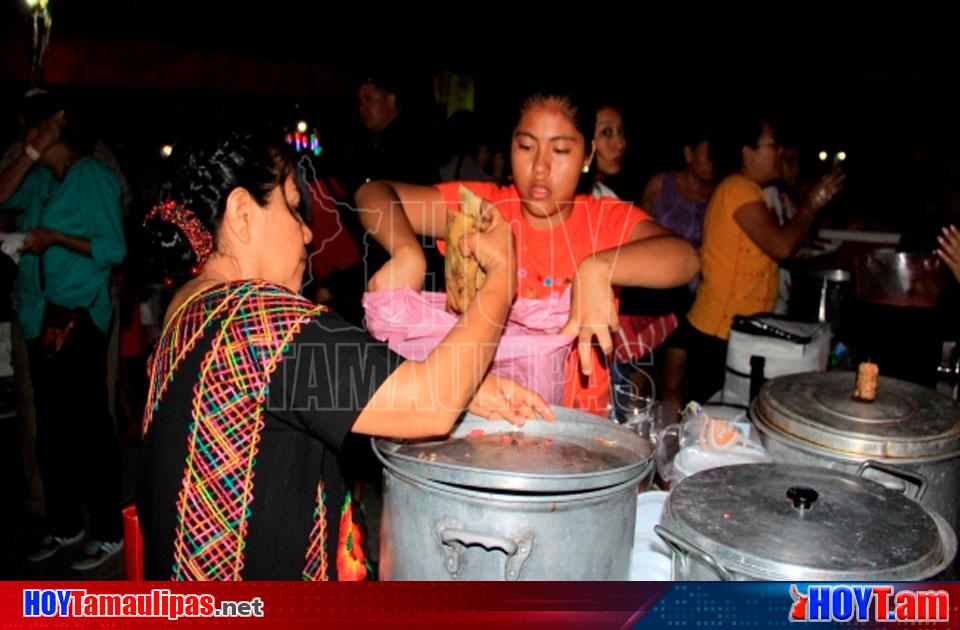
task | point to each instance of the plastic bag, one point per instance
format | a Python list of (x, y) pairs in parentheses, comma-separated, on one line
[(702, 441), (11, 244), (531, 350)]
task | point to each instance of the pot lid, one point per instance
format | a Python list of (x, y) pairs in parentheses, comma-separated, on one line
[(905, 420), (578, 451), (790, 522)]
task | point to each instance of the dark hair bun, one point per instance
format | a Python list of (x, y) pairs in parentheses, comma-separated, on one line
[(204, 170)]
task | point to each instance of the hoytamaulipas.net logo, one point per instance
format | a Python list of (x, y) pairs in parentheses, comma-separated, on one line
[(48, 602)]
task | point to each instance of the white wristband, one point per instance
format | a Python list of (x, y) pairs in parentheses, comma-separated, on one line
[(32, 153)]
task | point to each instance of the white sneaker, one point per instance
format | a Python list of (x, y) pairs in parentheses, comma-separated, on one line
[(52, 544), (95, 553)]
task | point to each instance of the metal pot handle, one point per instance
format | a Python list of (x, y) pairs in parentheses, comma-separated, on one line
[(454, 541), (686, 548), (912, 477)]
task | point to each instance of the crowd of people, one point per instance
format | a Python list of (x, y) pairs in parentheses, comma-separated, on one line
[(261, 260)]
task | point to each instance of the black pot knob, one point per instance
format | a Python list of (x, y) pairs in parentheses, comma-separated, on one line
[(802, 498)]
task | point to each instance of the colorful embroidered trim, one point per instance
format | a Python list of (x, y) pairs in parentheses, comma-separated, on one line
[(213, 506), (315, 568), (185, 328)]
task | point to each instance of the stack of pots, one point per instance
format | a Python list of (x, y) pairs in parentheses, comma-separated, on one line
[(909, 436)]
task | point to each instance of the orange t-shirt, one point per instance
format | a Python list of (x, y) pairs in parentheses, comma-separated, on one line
[(738, 277), (547, 261)]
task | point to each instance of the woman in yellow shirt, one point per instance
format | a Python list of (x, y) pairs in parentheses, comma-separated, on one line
[(742, 243)]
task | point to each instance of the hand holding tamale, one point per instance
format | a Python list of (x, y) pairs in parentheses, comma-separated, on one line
[(463, 275)]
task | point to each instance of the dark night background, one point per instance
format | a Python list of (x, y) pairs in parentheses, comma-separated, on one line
[(876, 82)]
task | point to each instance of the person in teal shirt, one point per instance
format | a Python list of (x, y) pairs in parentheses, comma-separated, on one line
[(74, 238)]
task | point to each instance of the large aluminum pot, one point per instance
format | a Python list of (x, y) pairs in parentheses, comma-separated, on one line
[(552, 501), (813, 419), (790, 522)]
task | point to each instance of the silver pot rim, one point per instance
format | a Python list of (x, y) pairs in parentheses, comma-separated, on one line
[(756, 572), (637, 454), (907, 422), (768, 431), (692, 538), (521, 499)]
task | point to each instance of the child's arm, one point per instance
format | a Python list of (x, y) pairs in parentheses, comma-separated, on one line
[(425, 398), (654, 257), (395, 214)]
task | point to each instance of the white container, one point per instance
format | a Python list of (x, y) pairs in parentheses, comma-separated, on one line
[(781, 355)]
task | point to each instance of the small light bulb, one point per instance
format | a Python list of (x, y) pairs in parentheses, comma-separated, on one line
[(302, 126), (166, 150), (841, 156), (32, 3), (823, 156)]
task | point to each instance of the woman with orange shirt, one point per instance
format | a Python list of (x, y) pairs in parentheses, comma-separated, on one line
[(564, 235)]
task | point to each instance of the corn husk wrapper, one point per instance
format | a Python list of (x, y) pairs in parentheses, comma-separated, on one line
[(464, 277)]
